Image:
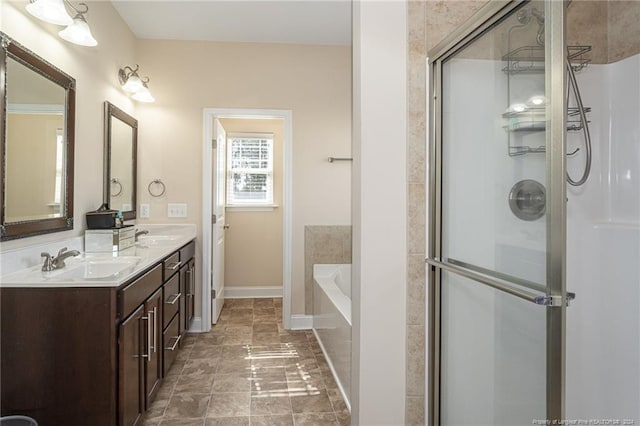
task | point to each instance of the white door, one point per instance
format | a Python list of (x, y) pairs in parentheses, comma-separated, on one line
[(218, 219)]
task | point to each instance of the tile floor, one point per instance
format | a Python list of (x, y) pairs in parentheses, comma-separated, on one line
[(249, 371)]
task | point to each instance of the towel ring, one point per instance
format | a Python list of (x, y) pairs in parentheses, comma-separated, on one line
[(157, 182), (116, 181)]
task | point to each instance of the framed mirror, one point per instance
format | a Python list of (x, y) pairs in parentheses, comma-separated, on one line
[(120, 160), (37, 133)]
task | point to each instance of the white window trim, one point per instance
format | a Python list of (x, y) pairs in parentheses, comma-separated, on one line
[(267, 205), (251, 207)]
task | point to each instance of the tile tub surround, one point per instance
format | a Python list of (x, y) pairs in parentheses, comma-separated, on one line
[(329, 244), (248, 370)]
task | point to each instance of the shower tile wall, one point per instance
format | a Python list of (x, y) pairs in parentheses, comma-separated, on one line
[(624, 30), (609, 27), (589, 14), (323, 244), (428, 23), (416, 190)]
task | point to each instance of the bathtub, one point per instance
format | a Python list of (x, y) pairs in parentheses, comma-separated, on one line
[(332, 321)]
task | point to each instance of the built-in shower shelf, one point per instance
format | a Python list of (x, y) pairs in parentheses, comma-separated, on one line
[(530, 59)]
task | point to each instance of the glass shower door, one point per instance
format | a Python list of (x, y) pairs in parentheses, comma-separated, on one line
[(498, 254)]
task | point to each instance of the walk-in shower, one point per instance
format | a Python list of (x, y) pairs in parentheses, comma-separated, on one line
[(534, 216)]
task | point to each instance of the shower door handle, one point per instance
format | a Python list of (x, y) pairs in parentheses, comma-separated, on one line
[(543, 300)]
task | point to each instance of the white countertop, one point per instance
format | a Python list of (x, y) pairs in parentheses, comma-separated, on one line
[(161, 241)]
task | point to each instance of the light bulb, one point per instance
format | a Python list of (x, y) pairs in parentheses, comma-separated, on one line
[(143, 95), (79, 33), (133, 84), (51, 11)]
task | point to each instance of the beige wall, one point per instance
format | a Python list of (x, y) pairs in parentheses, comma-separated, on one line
[(314, 82), (95, 70), (253, 242)]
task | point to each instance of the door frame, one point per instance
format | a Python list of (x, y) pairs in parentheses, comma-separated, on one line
[(555, 82), (209, 114)]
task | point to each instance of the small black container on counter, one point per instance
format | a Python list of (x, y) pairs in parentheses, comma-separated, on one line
[(103, 218)]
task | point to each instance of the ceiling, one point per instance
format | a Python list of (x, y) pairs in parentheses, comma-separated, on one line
[(324, 22)]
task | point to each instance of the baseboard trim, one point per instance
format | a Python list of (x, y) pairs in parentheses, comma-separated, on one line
[(301, 322), (196, 325), (252, 292)]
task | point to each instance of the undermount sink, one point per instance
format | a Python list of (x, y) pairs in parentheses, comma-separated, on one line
[(94, 269)]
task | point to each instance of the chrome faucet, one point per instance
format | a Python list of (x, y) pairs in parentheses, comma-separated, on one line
[(138, 233), (53, 263)]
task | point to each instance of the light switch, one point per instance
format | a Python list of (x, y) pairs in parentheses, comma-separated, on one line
[(177, 210)]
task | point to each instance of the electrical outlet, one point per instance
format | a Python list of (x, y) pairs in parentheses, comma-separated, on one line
[(144, 210), (177, 210)]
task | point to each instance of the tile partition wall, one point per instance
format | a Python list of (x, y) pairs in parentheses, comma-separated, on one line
[(323, 244), (428, 23)]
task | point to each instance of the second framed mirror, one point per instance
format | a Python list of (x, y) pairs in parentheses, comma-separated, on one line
[(120, 160)]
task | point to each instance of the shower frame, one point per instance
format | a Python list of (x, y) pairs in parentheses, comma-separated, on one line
[(555, 156)]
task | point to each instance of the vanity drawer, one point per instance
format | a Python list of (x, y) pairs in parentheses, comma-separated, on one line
[(171, 265), (172, 299), (187, 252), (170, 342), (138, 291)]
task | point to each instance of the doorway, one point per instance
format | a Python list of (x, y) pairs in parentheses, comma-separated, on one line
[(216, 223)]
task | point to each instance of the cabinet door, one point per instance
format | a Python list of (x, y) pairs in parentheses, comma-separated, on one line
[(187, 283), (184, 300), (190, 289), (153, 342), (130, 398)]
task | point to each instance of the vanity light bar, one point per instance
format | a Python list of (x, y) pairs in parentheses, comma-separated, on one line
[(55, 12), (132, 83)]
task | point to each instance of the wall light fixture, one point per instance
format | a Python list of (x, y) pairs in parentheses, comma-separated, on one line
[(55, 12), (132, 83)]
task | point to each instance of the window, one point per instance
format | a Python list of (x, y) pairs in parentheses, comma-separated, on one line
[(250, 170)]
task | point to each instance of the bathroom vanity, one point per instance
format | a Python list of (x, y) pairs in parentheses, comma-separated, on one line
[(90, 344)]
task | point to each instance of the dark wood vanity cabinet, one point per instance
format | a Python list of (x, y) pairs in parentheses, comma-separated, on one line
[(139, 354), (130, 399), (58, 355), (152, 356), (172, 306), (92, 355), (187, 283), (171, 319), (188, 286)]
